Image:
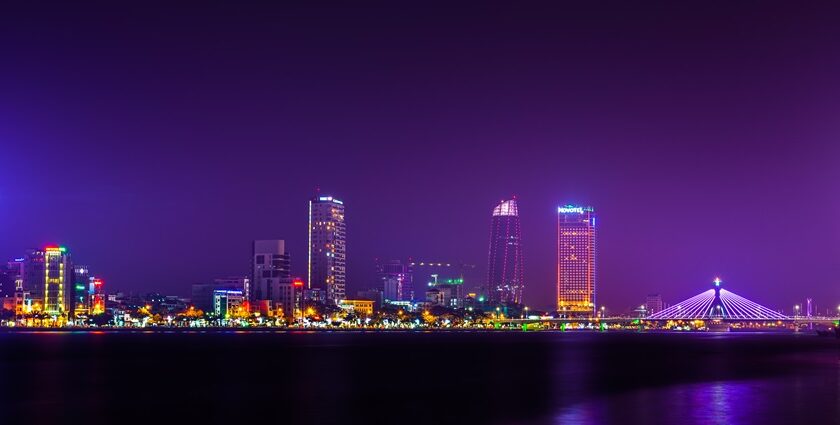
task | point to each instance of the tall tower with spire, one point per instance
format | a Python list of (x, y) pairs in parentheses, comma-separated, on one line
[(505, 281)]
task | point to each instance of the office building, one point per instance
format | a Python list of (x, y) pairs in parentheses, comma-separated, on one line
[(576, 260), (80, 298), (269, 263), (228, 304), (395, 279), (236, 282), (653, 304), (271, 280), (11, 277), (505, 281), (327, 247), (46, 277)]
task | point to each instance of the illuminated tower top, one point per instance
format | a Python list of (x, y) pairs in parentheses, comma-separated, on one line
[(506, 208)]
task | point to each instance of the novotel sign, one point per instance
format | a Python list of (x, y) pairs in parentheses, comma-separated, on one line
[(570, 210)]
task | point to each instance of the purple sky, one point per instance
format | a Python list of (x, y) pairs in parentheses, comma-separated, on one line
[(156, 142)]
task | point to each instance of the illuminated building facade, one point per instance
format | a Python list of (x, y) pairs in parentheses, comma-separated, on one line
[(47, 273), (505, 281), (97, 296), (396, 280), (235, 282), (576, 259), (327, 247), (80, 299), (33, 279), (358, 307), (228, 303)]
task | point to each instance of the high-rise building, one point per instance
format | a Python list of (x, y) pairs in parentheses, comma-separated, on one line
[(395, 279), (327, 247), (47, 274), (271, 278), (80, 300), (11, 277), (505, 281), (653, 303), (576, 256)]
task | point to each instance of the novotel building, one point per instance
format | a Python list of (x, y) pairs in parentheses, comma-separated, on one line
[(576, 259)]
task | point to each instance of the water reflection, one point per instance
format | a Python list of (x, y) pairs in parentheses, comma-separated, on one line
[(422, 378)]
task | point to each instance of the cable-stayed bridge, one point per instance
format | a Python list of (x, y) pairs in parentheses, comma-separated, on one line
[(718, 304)]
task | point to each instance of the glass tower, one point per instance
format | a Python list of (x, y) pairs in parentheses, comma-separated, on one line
[(505, 281), (576, 256), (327, 247)]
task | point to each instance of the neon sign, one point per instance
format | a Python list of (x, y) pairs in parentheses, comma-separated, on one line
[(570, 210)]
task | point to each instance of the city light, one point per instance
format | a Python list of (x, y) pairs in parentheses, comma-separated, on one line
[(718, 303)]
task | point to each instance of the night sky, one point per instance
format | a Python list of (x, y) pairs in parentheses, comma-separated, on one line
[(156, 141)]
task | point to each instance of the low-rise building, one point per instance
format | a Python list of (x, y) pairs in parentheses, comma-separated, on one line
[(359, 307), (228, 303)]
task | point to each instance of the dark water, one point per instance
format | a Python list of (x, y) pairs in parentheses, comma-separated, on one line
[(418, 378)]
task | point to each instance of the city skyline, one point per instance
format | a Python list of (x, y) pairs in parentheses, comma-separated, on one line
[(575, 285), (695, 135)]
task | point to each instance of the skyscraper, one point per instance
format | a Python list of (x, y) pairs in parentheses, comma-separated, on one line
[(505, 282), (327, 247), (576, 255)]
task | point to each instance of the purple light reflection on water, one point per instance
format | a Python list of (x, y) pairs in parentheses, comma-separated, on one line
[(796, 399)]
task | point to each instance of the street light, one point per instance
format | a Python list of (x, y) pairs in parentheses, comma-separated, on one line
[(796, 310)]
